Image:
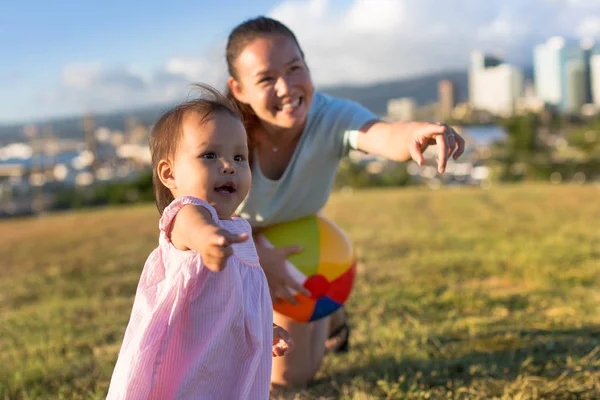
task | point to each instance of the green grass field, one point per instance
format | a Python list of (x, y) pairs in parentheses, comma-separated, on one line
[(461, 294)]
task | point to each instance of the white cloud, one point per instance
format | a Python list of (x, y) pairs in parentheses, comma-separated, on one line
[(372, 40), (187, 67), (584, 3), (376, 40), (313, 10), (589, 27), (375, 16), (364, 41), (97, 88), (93, 87), (80, 75), (507, 26)]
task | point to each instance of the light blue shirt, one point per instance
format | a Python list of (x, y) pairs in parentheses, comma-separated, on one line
[(303, 189)]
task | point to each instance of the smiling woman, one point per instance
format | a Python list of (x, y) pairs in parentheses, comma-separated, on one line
[(297, 137), (266, 75)]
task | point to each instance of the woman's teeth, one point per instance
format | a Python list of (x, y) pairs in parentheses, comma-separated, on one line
[(291, 105)]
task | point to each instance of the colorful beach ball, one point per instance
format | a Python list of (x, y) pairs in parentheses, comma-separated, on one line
[(326, 267)]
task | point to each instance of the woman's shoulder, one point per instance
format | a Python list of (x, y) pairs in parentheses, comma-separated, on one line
[(331, 113), (327, 107), (321, 99)]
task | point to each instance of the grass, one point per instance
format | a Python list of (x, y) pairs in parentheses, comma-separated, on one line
[(461, 294)]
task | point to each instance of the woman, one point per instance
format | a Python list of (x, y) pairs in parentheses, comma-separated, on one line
[(297, 138)]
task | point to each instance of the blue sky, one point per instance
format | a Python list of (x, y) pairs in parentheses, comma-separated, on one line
[(67, 57), (39, 38)]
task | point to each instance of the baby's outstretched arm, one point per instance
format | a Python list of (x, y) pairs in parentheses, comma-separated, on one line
[(194, 229), (282, 342)]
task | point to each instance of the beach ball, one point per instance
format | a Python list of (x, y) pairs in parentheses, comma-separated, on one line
[(326, 267)]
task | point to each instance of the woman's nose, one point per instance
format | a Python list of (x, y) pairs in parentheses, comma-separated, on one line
[(282, 86)]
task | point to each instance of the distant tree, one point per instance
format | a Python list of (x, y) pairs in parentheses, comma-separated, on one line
[(522, 136)]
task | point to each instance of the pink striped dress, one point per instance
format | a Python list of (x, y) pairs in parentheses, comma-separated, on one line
[(194, 333)]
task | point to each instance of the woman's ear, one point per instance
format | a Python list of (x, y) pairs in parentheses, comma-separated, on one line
[(236, 90), (166, 174)]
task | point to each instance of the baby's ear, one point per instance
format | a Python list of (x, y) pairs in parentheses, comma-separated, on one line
[(166, 174)]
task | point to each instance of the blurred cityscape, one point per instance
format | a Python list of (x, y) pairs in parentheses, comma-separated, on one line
[(516, 128)]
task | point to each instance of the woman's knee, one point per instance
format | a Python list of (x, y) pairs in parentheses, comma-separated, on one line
[(294, 377), (300, 366)]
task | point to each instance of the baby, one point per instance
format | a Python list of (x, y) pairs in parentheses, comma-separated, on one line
[(202, 320)]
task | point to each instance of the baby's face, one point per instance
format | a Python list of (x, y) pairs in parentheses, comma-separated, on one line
[(211, 162)]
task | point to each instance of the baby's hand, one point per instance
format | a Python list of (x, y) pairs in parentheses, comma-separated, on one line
[(282, 342), (218, 249)]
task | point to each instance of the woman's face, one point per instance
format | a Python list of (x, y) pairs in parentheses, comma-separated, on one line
[(274, 80)]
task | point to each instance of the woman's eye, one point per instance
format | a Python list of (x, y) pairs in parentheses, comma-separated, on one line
[(264, 80), (209, 156)]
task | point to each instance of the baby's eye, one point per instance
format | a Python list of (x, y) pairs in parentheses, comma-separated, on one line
[(209, 155), (239, 158)]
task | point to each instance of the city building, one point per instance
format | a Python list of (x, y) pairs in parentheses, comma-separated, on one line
[(479, 62), (494, 87), (589, 49), (560, 74), (402, 109), (446, 99), (575, 90), (529, 102), (595, 79)]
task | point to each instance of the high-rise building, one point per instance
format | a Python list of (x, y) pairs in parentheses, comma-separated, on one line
[(91, 142), (529, 101), (401, 109), (446, 98), (589, 49), (497, 89), (595, 78), (479, 62), (575, 90), (559, 72)]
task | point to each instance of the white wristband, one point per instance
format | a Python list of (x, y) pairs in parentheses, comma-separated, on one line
[(353, 139)]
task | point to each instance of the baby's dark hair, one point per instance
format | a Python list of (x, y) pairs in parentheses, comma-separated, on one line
[(168, 130)]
